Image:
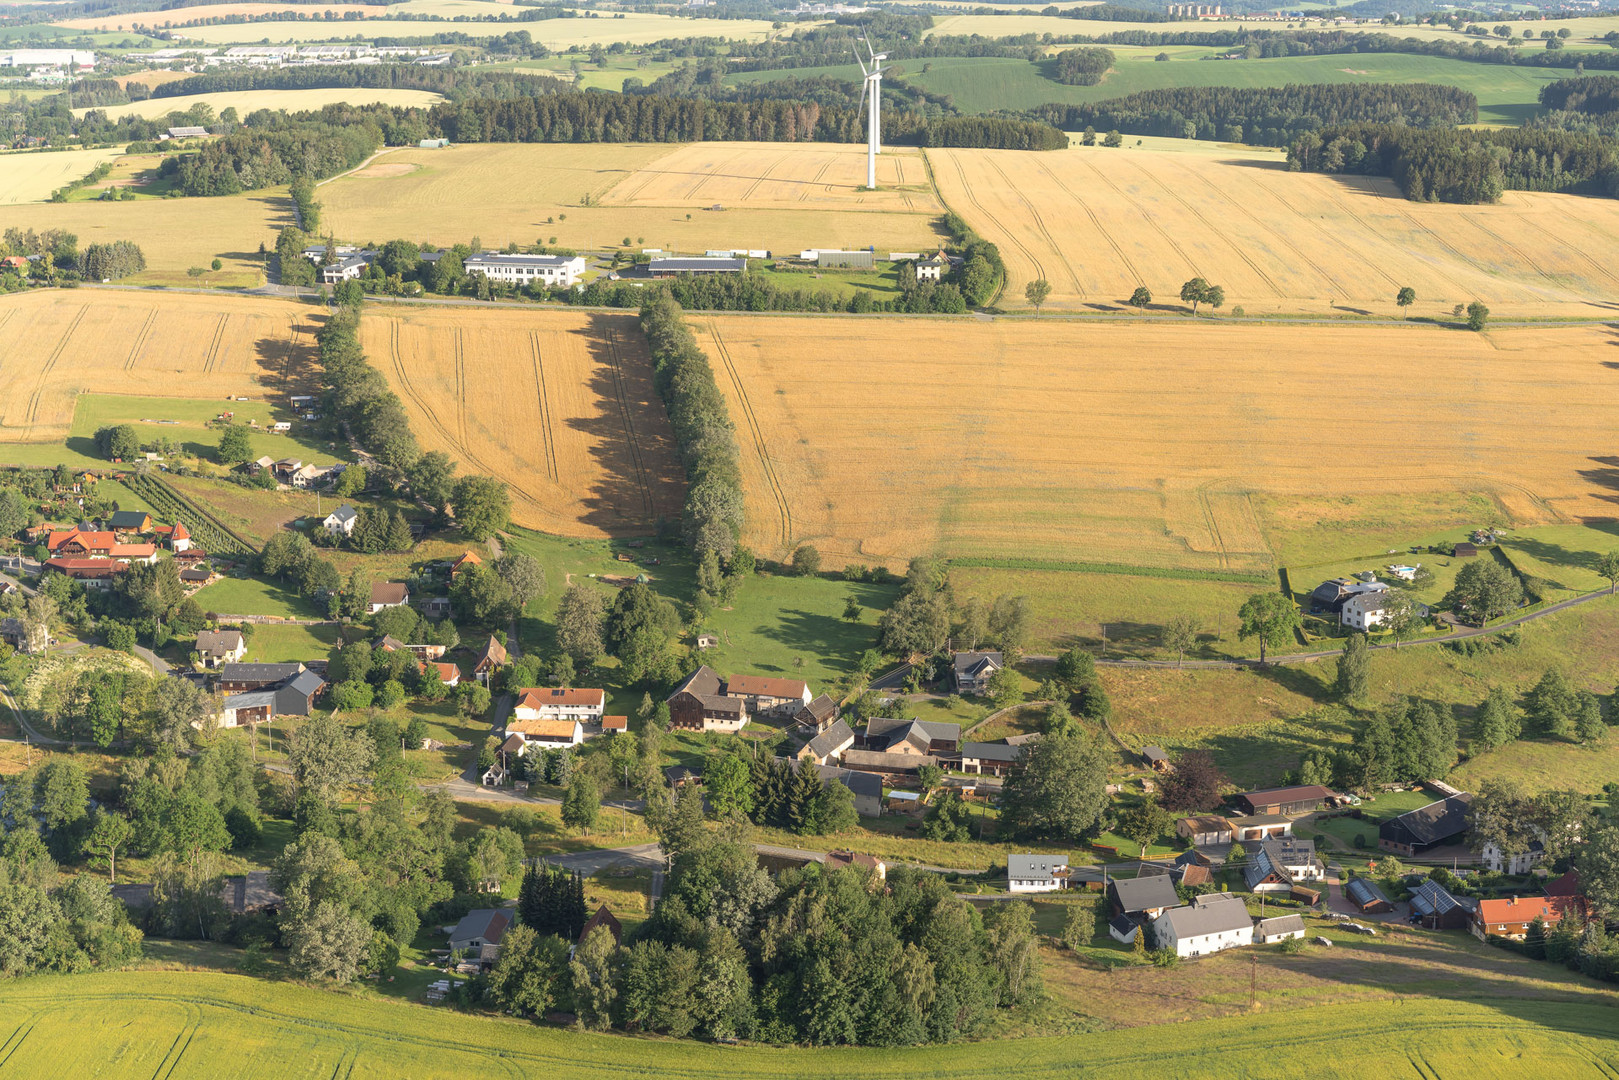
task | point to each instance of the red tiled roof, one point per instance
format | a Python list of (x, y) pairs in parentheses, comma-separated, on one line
[(615, 723), (760, 686), (133, 551), (543, 729), (87, 567), (93, 541), (535, 697), (1525, 909), (180, 532)]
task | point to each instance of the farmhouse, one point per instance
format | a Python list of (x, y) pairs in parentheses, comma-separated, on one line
[(972, 671), (1427, 827), (476, 929), (667, 268), (546, 270), (895, 766), (828, 747), (910, 736), (1365, 611), (387, 594), (1365, 895), (76, 543), (341, 521), (1209, 924), (465, 561), (1510, 918), (989, 759), (130, 521), (1288, 800), (1519, 862), (1280, 928), (238, 678), (866, 788), (543, 733), (492, 656), (1435, 908), (1036, 873), (818, 715), (765, 696), (842, 860), (933, 267), (564, 703), (699, 703), (347, 267), (1205, 829), (215, 647), (292, 696), (91, 573), (1142, 898), (1278, 865)]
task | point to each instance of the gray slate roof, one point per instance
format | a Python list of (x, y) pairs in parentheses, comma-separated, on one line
[(266, 673), (1142, 893), (1034, 867), (972, 663), (838, 735), (218, 641), (1282, 924), (861, 783), (1216, 913), (892, 731), (990, 751)]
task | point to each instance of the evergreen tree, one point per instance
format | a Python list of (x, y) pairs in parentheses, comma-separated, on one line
[(1552, 706), (1497, 722), (1354, 669), (1589, 726), (397, 537), (801, 792)]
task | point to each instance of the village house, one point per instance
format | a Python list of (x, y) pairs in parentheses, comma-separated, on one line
[(1435, 908), (141, 553), (989, 759), (1203, 829), (896, 767), (448, 672), (699, 703), (866, 788), (932, 267), (1250, 827), (844, 860), (137, 522), (1209, 924), (603, 917), (1366, 611), (215, 647), (236, 678), (828, 747), (1510, 918), (1278, 865), (486, 926), (80, 544), (1281, 928), (1142, 898), (341, 521), (387, 594), (971, 671), (293, 696), (179, 537), (490, 657), (91, 573), (766, 696), (465, 561), (1037, 873), (817, 716), (1288, 800), (1427, 827), (898, 736), (1519, 862), (546, 734)]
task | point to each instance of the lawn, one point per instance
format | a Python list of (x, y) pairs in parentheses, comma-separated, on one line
[(1306, 532), (284, 644), (186, 420), (1489, 1014), (251, 596), (1563, 557)]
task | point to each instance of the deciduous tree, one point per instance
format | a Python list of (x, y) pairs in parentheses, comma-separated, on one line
[(1270, 618)]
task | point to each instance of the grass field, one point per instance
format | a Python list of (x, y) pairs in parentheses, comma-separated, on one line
[(250, 596), (284, 644), (192, 1023), (777, 196), (175, 234), (248, 101), (1584, 31), (559, 405), (976, 452), (1098, 222), (148, 345), (558, 34), (31, 177)]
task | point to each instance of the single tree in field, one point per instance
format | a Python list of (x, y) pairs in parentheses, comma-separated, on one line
[(1141, 298), (1194, 292), (1354, 669), (1405, 297), (234, 444), (1270, 617), (1180, 634), (1608, 567), (1477, 315), (1037, 292), (1145, 823), (110, 832), (1215, 296)]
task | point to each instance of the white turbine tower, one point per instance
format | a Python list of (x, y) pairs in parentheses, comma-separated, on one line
[(873, 96)]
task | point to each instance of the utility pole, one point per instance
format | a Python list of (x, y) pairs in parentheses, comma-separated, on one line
[(1253, 982)]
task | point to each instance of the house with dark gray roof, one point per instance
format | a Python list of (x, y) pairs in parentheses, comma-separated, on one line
[(818, 715), (699, 703), (1278, 865), (1209, 924), (215, 647), (1280, 928), (1142, 897), (486, 926), (1436, 908), (1427, 827), (972, 671), (991, 759), (1036, 873), (239, 678), (1364, 894), (910, 736), (827, 747), (866, 788)]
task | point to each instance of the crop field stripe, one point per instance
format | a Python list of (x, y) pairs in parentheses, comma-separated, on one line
[(211, 362), (1040, 223), (178, 1050), (1510, 246), (140, 340), (1334, 198), (774, 482), (1145, 215), (1316, 225), (1039, 271), (1576, 248), (461, 385), (621, 392), (15, 1039), (1235, 204), (763, 176), (50, 364), (1095, 221), (545, 409), (816, 180)]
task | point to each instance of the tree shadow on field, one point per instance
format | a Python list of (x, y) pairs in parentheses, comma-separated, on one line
[(1605, 477), (290, 364), (833, 640)]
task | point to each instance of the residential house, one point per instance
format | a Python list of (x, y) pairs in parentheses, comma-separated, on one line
[(343, 267), (387, 594), (239, 678), (828, 747), (284, 469), (1156, 759), (515, 269), (932, 267), (1278, 865), (486, 926), (766, 696), (1142, 898), (215, 647), (341, 521), (249, 708), (911, 736), (466, 560), (1209, 924), (1435, 908), (447, 671), (1281, 928), (293, 695), (866, 788), (679, 776), (179, 538), (1365, 611), (1510, 918), (1427, 827), (1247, 828), (603, 917), (1191, 868), (1365, 895), (131, 553), (1287, 800), (1037, 873), (560, 703), (1519, 862), (309, 475), (844, 860), (297, 696), (546, 734), (490, 657), (80, 544), (699, 703), (989, 759), (130, 521), (973, 670), (1205, 829), (260, 464), (818, 715), (91, 573)]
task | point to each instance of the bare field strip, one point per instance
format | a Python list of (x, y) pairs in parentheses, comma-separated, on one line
[(778, 196), (559, 405), (247, 101), (1096, 223), (1144, 444), (142, 344), (31, 177)]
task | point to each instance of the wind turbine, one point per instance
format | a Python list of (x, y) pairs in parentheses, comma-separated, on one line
[(872, 95)]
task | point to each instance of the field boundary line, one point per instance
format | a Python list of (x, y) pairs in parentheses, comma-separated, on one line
[(361, 165), (49, 365), (621, 393), (768, 467), (545, 408), (140, 340), (1231, 577), (1039, 269)]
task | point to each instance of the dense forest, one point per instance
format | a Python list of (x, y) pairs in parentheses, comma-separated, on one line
[(1472, 166), (1083, 67), (1272, 116), (1591, 94), (272, 150)]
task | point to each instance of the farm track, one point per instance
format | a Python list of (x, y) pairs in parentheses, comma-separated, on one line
[(210, 363), (621, 392), (1040, 223), (1237, 248), (140, 340), (1039, 270), (816, 181), (763, 176), (1576, 249), (1145, 216), (1375, 264), (14, 1040), (461, 385), (545, 410), (1397, 201), (1214, 529), (50, 364), (777, 491), (1095, 221)]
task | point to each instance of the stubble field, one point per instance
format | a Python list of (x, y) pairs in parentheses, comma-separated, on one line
[(247, 101), (777, 196), (1098, 222), (26, 178), (55, 344), (157, 20), (558, 34), (559, 405), (1150, 444)]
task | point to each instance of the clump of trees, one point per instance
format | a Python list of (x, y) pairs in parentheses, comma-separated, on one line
[(111, 261), (1083, 67)]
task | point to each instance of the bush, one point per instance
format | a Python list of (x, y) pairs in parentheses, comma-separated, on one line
[(244, 829)]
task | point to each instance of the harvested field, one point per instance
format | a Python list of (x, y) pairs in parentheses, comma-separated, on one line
[(558, 34), (779, 196), (26, 178), (56, 344), (247, 101), (1142, 444), (559, 405), (1096, 223), (157, 20)]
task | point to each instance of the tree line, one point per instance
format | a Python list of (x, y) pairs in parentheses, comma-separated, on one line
[(1471, 166), (1267, 116), (273, 148)]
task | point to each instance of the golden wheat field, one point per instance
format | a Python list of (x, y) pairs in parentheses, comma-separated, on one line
[(776, 196), (560, 405), (58, 343), (32, 177), (156, 20), (1143, 444), (247, 101), (636, 29), (1097, 222)]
